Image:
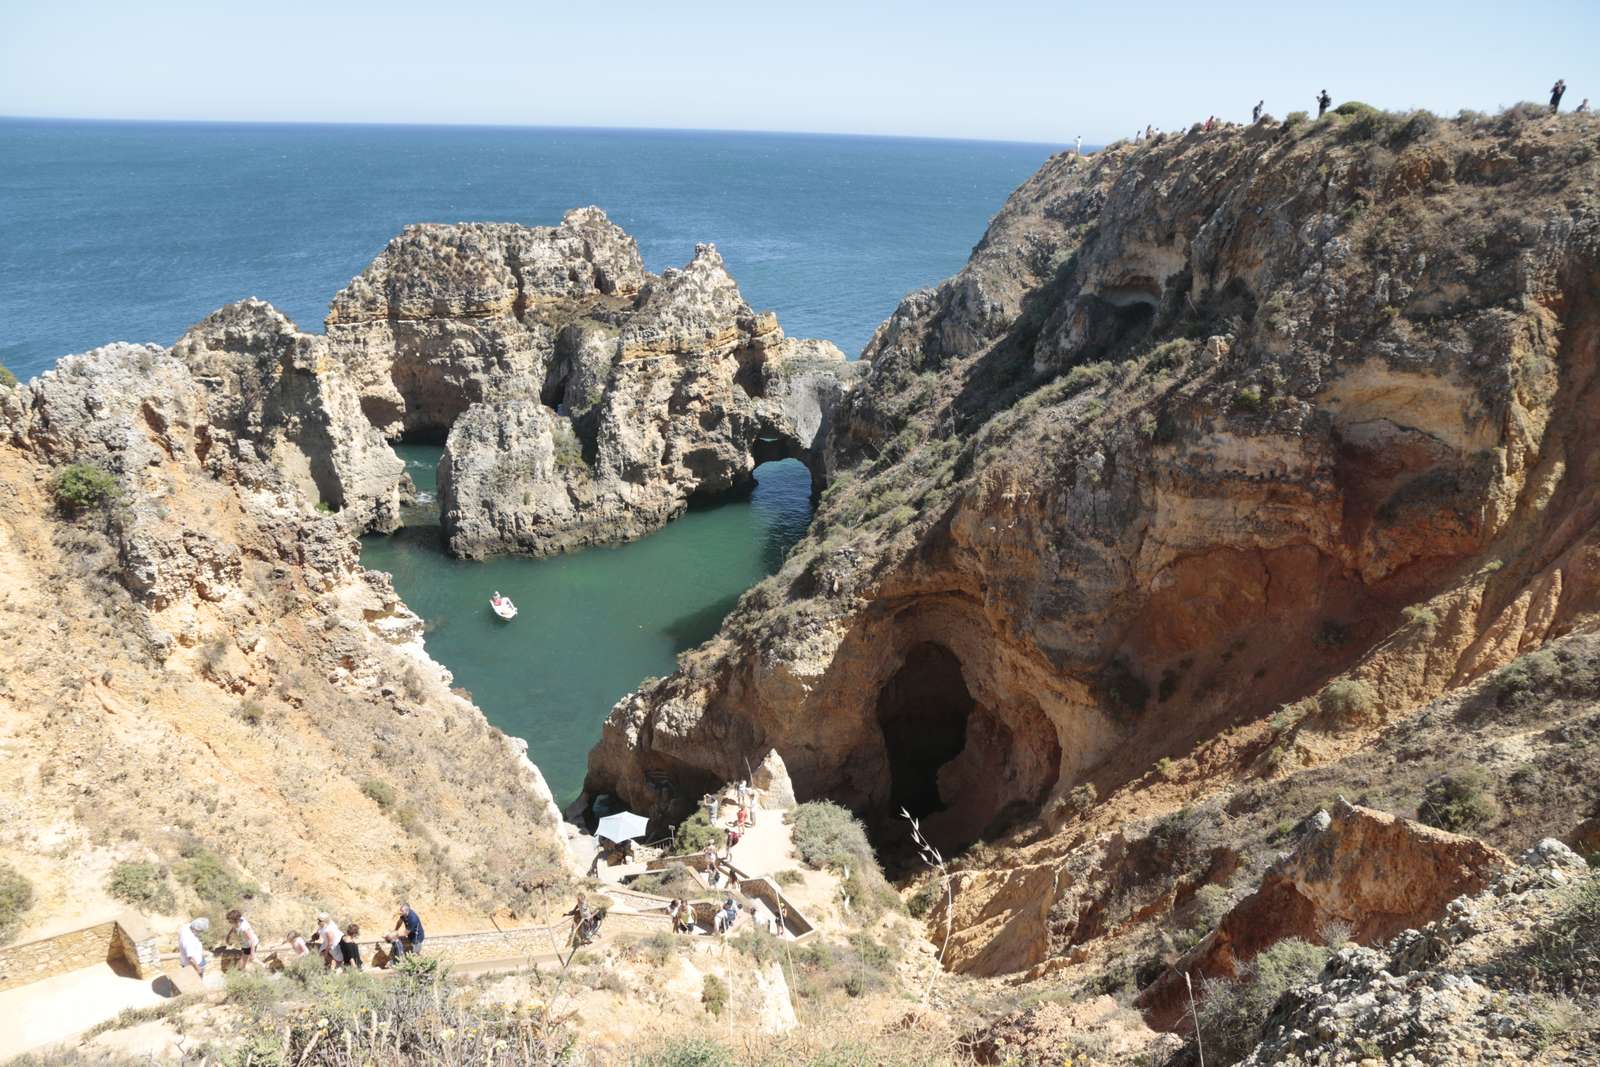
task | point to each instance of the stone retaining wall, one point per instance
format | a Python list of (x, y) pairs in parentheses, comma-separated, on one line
[(121, 941)]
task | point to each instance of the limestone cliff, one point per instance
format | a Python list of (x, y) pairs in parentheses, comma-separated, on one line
[(581, 399), (200, 674), (1284, 416)]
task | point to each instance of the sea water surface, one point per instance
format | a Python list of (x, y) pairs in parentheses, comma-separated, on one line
[(134, 231)]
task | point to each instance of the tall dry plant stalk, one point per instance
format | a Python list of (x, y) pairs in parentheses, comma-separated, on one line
[(935, 862)]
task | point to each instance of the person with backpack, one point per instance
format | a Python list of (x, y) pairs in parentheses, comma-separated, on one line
[(1557, 91), (1255, 112), (1323, 100)]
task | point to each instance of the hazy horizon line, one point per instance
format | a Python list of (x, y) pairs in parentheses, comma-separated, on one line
[(381, 124)]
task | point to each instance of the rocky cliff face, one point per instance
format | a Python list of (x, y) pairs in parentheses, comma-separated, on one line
[(581, 399), (200, 674), (1272, 417)]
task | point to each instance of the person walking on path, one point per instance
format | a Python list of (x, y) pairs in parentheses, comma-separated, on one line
[(297, 944), (1255, 112), (248, 940), (413, 924), (1323, 100), (327, 939), (191, 953), (1557, 91), (350, 947)]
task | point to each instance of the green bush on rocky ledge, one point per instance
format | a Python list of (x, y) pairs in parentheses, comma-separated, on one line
[(82, 485), (16, 897), (7, 379)]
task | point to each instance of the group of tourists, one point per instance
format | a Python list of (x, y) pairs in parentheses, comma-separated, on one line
[(1324, 101), (1557, 91), (338, 947)]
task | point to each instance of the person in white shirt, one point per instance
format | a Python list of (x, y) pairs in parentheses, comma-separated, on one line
[(1077, 146), (248, 940), (191, 953), (328, 939)]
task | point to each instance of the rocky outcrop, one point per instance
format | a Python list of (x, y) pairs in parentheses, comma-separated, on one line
[(280, 407), (581, 399), (1356, 870), (1474, 986), (199, 665), (1175, 449)]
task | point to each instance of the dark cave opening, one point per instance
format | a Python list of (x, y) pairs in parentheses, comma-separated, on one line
[(923, 711)]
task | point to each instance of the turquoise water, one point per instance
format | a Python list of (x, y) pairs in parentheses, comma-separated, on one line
[(590, 625), (133, 231)]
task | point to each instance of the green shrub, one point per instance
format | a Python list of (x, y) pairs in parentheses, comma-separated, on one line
[(1346, 700), (923, 900), (142, 884), (675, 880), (1459, 801), (1538, 677), (7, 379), (255, 990), (1248, 398), (1566, 950), (790, 876), (684, 1052), (1296, 118), (16, 897), (253, 712), (1355, 108), (211, 878), (827, 835), (714, 994), (82, 485), (1084, 376), (379, 792), (1417, 615), (695, 833), (1233, 1012)]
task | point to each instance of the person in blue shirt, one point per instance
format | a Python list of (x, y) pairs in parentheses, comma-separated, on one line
[(413, 925)]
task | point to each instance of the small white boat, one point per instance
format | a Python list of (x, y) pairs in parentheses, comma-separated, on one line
[(502, 606)]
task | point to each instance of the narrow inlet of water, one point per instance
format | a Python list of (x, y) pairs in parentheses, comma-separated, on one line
[(591, 625)]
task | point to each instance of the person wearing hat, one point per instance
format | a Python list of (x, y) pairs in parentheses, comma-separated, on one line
[(191, 953)]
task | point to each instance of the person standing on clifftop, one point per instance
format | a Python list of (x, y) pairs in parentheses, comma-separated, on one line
[(1323, 100), (1583, 108), (1557, 91), (1077, 146), (1255, 112)]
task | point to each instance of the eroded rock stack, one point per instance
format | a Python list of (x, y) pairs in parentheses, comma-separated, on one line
[(581, 399)]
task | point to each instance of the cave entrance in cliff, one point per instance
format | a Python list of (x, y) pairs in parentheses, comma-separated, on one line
[(923, 711)]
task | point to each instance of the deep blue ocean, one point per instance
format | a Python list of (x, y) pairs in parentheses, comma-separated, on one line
[(134, 231)]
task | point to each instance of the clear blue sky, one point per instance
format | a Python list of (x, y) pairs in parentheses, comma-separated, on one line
[(1001, 69)]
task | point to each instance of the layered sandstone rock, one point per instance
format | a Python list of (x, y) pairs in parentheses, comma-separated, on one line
[(1196, 422), (581, 399)]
